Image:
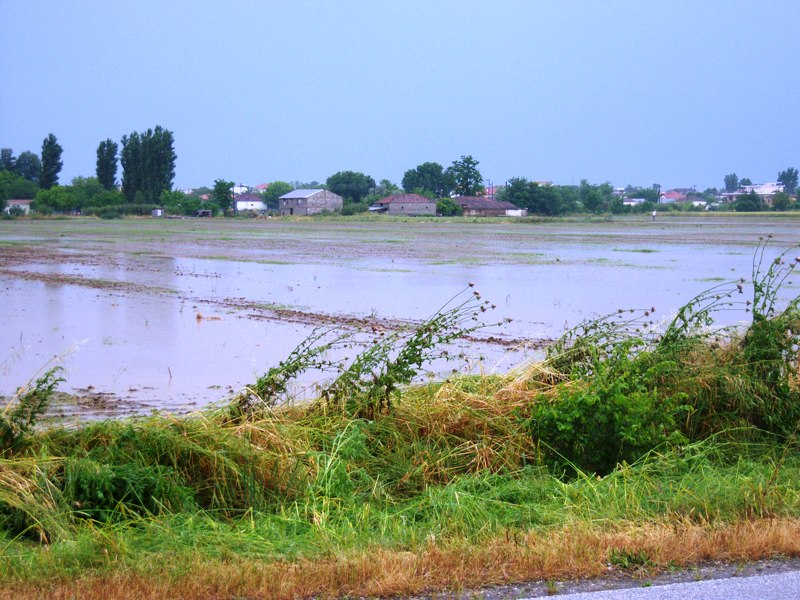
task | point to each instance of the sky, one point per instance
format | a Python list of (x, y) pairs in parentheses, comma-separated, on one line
[(678, 93)]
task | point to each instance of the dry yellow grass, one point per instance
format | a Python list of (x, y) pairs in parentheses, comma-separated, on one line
[(566, 554)]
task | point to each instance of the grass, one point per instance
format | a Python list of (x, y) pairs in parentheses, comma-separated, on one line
[(627, 444)]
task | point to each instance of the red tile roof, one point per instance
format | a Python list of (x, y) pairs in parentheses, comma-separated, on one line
[(405, 199)]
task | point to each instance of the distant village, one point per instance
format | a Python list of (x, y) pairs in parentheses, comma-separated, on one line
[(489, 203)]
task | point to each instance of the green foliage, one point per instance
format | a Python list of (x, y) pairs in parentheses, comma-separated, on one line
[(788, 178), (467, 179), (177, 203), (731, 182), (105, 492), (86, 190), (116, 211), (749, 202), (353, 208), (537, 199), (222, 194), (350, 184), (275, 190), (430, 177), (51, 162), (366, 385), (770, 345), (617, 418), (19, 416), (148, 164), (596, 198), (55, 199), (106, 166), (13, 186), (447, 207), (782, 201), (7, 160), (28, 166)]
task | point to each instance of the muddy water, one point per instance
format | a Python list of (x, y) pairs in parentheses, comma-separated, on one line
[(177, 314)]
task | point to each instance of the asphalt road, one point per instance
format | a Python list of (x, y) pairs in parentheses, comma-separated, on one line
[(777, 586)]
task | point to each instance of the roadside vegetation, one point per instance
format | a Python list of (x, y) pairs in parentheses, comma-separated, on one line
[(629, 445)]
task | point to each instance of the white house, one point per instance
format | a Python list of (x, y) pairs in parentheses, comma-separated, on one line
[(24, 205), (249, 202)]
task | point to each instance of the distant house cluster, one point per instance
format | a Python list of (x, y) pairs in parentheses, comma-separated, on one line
[(471, 206)]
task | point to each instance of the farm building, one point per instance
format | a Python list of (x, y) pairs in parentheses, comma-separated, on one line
[(405, 204), (309, 202), (480, 206), (23, 205), (249, 202)]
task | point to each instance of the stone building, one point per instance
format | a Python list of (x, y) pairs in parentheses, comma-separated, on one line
[(309, 202), (480, 206), (406, 204)]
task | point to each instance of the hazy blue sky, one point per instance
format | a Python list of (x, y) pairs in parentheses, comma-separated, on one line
[(670, 92)]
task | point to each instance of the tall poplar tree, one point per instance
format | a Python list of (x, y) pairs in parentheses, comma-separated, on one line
[(107, 164), (148, 164), (51, 162)]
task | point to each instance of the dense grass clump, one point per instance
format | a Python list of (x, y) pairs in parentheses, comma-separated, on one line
[(621, 426)]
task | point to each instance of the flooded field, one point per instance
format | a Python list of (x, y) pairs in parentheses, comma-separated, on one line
[(174, 314)]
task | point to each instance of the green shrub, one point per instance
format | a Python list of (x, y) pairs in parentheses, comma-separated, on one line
[(106, 491)]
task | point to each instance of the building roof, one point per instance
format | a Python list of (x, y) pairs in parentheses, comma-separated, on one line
[(261, 187), (248, 198), (674, 195), (404, 199), (483, 203), (18, 201), (301, 194)]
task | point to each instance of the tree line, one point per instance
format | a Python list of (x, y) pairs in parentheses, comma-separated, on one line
[(148, 170)]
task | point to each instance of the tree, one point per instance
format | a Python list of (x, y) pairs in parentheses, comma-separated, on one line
[(749, 202), (447, 207), (428, 176), (596, 198), (731, 182), (745, 181), (788, 178), (350, 184), (275, 190), (386, 188), (651, 194), (28, 166), (148, 164), (85, 190), (107, 164), (222, 194), (178, 203), (51, 162), (55, 199), (466, 177), (781, 201), (537, 199), (7, 159), (14, 186)]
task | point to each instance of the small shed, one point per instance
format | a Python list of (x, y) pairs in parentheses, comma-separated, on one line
[(21, 204), (306, 202), (405, 204), (481, 206)]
